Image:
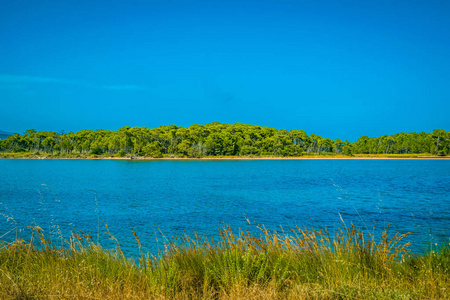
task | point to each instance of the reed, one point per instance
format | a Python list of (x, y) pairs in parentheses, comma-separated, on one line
[(293, 264)]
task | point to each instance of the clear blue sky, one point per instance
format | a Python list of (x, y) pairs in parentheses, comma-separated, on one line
[(334, 68)]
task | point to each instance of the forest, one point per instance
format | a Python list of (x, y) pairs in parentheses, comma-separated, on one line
[(219, 140)]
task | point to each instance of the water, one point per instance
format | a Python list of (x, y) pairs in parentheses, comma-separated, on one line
[(62, 195)]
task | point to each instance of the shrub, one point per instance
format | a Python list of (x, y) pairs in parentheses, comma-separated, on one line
[(97, 151), (121, 153)]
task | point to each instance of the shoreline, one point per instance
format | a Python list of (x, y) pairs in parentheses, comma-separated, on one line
[(238, 158)]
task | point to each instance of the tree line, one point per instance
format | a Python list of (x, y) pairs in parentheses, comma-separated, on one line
[(218, 139)]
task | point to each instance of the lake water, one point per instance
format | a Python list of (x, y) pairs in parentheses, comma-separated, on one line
[(60, 195)]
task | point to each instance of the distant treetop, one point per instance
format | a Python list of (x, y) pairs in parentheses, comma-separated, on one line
[(218, 139)]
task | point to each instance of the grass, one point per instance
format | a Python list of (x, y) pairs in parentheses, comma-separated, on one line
[(298, 264)]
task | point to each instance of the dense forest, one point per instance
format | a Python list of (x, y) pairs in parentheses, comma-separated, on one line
[(218, 139)]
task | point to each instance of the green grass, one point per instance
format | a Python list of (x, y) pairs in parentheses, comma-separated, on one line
[(298, 264)]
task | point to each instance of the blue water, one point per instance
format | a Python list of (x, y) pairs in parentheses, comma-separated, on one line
[(177, 196)]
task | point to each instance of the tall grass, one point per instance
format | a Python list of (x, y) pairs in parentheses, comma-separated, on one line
[(293, 264)]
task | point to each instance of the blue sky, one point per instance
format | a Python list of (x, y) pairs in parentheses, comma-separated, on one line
[(340, 69)]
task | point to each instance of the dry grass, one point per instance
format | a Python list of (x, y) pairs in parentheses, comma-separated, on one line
[(298, 264)]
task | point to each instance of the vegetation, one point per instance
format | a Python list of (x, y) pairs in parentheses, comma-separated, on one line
[(300, 264), (217, 140)]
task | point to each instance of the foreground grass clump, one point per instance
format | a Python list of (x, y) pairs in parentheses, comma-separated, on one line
[(301, 264)]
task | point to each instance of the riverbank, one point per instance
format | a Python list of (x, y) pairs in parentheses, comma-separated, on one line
[(301, 264), (304, 157)]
